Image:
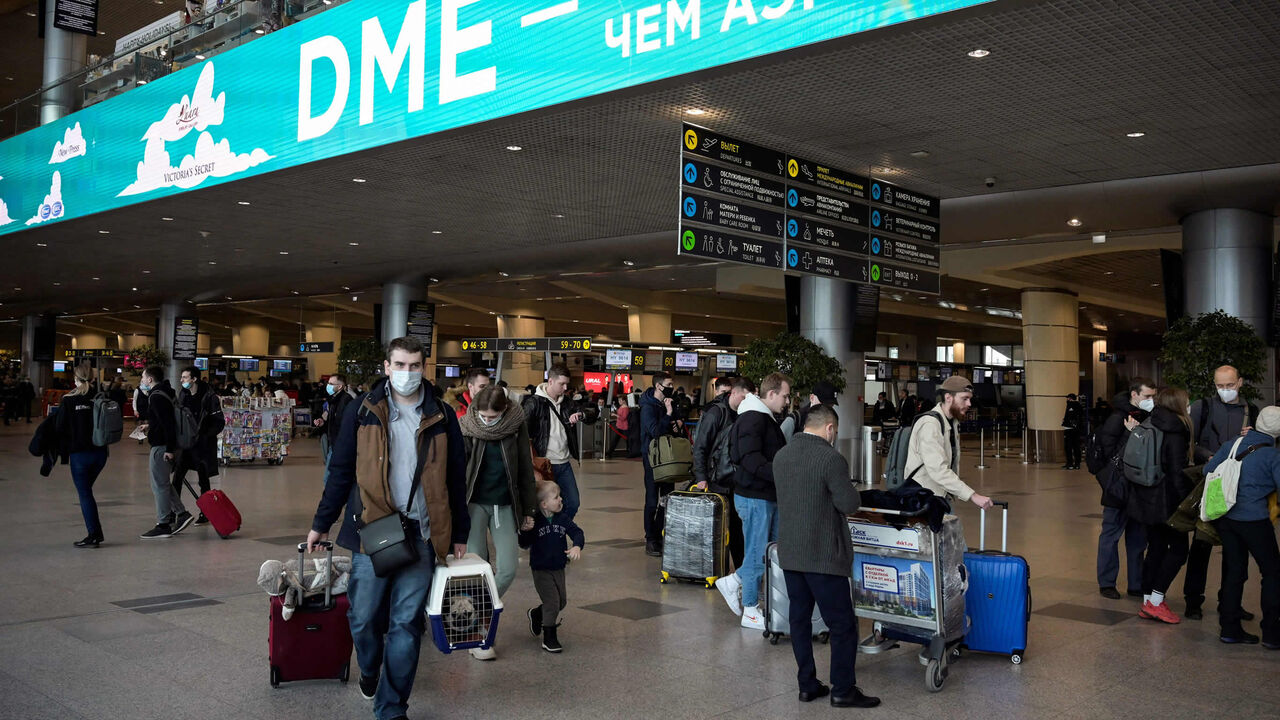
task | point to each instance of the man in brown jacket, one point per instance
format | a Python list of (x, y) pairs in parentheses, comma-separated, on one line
[(399, 450)]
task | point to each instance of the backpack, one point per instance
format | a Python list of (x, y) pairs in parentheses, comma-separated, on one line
[(671, 459), (1095, 458), (108, 421), (1220, 485), (723, 468), (1141, 455), (896, 464), (186, 426)]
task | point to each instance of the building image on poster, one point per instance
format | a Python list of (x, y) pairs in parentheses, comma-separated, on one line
[(895, 586)]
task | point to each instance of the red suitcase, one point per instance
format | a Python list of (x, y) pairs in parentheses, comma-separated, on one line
[(314, 644), (218, 508)]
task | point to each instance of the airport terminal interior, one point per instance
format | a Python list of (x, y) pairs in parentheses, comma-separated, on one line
[(1043, 197)]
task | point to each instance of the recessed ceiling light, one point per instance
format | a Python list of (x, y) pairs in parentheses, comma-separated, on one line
[(242, 202), (1135, 134), (142, 82), (492, 312), (979, 53), (1109, 272), (358, 180), (1099, 238), (353, 244), (345, 287), (577, 321), (625, 305), (166, 219), (107, 309), (42, 245), (557, 215), (983, 289), (211, 262), (97, 278), (104, 232), (695, 111), (56, 285), (295, 292), (436, 232), (199, 57), (514, 148), (1074, 222), (228, 297), (146, 272), (260, 31), (629, 263), (920, 154), (434, 280), (503, 274), (1155, 284), (136, 290), (284, 252)]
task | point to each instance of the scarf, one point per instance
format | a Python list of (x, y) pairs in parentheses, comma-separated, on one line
[(507, 425)]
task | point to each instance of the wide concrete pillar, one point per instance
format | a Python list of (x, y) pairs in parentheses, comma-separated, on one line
[(1051, 343), (40, 372), (322, 328), (202, 344), (1101, 378), (250, 338), (958, 350), (396, 296), (520, 368), (64, 53), (645, 326), (1227, 258), (826, 318), (169, 312)]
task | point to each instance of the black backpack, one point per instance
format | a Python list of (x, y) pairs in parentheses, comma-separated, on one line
[(723, 468), (1095, 458)]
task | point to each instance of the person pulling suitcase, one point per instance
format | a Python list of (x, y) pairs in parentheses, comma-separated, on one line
[(814, 499)]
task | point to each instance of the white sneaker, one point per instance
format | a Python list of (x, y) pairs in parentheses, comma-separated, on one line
[(752, 618), (481, 654), (731, 587)]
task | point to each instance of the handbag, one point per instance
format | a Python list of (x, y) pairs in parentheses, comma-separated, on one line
[(389, 543)]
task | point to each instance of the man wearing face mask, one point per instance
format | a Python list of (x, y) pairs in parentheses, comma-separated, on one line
[(162, 433), (1216, 420), (656, 413), (1130, 409), (337, 398), (196, 396), (400, 450), (816, 554)]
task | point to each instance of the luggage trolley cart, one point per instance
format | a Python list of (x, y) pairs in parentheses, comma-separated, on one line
[(910, 581)]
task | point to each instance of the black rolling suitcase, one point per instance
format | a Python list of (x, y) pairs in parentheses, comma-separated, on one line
[(695, 542)]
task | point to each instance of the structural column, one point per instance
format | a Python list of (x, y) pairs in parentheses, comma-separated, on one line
[(649, 327), (169, 312), (1051, 343), (1226, 256), (521, 368), (826, 318), (396, 296), (1101, 378), (322, 328), (40, 372), (64, 53)]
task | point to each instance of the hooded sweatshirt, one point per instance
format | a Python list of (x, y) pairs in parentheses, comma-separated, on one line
[(558, 440), (756, 439)]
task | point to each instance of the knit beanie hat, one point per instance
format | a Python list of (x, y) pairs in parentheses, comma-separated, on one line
[(1269, 421)]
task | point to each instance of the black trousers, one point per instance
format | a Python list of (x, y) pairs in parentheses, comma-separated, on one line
[(1193, 585), (1166, 554), (1239, 541), (834, 598), (1071, 441), (186, 461)]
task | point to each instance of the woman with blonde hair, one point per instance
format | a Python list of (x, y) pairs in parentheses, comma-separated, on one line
[(1152, 506), (75, 437)]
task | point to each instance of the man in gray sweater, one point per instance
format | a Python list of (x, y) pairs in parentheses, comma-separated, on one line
[(816, 554)]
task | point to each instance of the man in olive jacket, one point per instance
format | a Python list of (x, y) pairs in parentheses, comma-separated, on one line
[(816, 554)]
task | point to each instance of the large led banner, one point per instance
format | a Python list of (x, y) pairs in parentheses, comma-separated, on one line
[(374, 72)]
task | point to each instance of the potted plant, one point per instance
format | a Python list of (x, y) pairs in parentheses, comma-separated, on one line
[(1195, 346), (361, 360), (804, 361)]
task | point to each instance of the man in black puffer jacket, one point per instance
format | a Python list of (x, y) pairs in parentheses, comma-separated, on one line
[(162, 432), (717, 418), (1131, 408)]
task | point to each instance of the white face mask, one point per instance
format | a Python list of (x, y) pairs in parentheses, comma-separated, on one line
[(1228, 396), (1147, 404), (406, 382), (487, 422)]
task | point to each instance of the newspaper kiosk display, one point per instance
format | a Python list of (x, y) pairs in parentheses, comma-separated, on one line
[(256, 428)]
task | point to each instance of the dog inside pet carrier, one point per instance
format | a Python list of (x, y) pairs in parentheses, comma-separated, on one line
[(464, 605)]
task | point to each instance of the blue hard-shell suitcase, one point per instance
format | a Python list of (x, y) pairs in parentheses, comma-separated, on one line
[(998, 603)]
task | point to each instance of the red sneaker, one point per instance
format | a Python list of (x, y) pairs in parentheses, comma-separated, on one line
[(1161, 612), (1142, 611)]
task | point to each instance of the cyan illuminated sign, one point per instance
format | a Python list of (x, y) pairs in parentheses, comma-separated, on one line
[(374, 72)]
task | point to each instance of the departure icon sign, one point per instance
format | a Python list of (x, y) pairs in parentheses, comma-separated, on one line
[(691, 139)]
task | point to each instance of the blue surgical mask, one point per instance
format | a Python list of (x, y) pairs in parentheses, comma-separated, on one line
[(331, 389), (186, 386), (145, 388)]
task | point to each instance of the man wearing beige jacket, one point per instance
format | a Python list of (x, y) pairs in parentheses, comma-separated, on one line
[(933, 454)]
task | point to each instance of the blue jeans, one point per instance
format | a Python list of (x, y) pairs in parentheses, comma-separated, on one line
[(568, 488), (85, 467), (759, 528), (1114, 524), (388, 617)]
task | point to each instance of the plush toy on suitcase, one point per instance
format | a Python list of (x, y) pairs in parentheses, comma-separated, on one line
[(315, 643), (999, 599)]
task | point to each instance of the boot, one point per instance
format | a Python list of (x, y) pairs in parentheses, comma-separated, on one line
[(535, 620), (550, 642)]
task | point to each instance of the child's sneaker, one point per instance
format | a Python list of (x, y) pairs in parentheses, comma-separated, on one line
[(752, 618), (550, 642), (535, 620), (730, 587)]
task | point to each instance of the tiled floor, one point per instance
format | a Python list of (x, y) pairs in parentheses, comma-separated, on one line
[(176, 629)]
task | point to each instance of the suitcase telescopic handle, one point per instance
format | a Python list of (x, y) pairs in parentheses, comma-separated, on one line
[(302, 569), (1004, 533)]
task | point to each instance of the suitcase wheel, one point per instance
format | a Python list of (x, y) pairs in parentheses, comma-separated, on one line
[(711, 582), (824, 637), (275, 677), (345, 674), (773, 638), (1017, 658), (665, 577), (224, 537)]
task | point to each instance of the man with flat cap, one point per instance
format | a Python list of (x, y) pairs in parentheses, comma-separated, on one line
[(933, 455)]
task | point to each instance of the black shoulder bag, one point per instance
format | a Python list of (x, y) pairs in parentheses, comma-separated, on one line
[(389, 542)]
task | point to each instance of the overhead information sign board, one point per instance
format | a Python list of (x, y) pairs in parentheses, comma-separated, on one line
[(557, 344), (78, 16), (618, 359), (315, 347), (832, 222), (376, 72)]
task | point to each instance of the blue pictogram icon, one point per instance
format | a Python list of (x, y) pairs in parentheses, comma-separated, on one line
[(690, 207), (57, 208), (44, 212), (875, 246), (875, 218), (793, 198), (875, 191), (792, 228), (793, 258), (690, 173)]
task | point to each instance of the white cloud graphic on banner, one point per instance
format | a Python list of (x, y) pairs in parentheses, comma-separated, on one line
[(51, 208), (213, 158), (4, 214), (71, 146)]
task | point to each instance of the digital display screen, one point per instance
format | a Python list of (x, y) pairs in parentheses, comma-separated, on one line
[(282, 366), (452, 371), (202, 363), (686, 361), (618, 359), (59, 366), (248, 365), (727, 363)]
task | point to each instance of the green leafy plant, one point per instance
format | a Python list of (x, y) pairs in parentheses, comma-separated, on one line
[(144, 356), (361, 360), (1195, 346), (801, 359)]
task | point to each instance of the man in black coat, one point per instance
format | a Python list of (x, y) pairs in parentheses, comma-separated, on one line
[(1131, 408), (717, 418), (196, 396), (171, 515), (1073, 425)]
